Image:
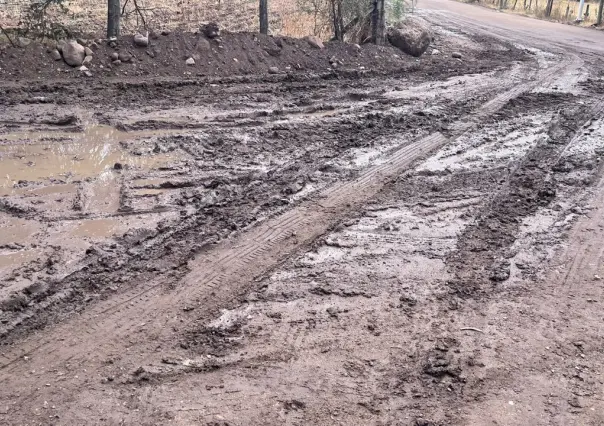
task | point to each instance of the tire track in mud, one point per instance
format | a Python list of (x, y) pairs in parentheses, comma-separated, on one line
[(482, 251), (143, 318)]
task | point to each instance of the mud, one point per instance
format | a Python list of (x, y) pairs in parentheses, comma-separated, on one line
[(341, 246)]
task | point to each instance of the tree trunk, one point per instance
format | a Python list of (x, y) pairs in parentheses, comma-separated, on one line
[(263, 11), (599, 22), (515, 3), (378, 22), (113, 18), (548, 8), (340, 19), (335, 21)]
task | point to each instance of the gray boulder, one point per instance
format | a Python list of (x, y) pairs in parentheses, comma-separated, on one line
[(412, 36), (73, 53), (141, 40)]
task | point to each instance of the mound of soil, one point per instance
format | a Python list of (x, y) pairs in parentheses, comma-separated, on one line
[(230, 54)]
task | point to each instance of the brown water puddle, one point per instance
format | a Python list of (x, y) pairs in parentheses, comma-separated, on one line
[(83, 155), (15, 230), (96, 228)]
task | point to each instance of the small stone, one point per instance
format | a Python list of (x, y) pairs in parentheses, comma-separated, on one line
[(597, 278), (333, 312), (55, 55), (125, 56), (117, 62), (211, 30), (435, 52), (190, 61), (141, 40), (83, 68), (118, 166), (273, 70), (456, 55), (88, 51), (114, 56), (87, 60), (23, 41), (165, 32)]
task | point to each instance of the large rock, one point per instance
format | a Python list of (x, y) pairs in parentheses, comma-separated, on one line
[(141, 40), (412, 36), (73, 53), (314, 42)]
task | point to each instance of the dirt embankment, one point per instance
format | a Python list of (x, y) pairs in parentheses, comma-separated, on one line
[(230, 54)]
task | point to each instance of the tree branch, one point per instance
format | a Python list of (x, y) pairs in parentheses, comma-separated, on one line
[(7, 36)]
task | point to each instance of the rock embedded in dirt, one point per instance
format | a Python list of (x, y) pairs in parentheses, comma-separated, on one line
[(73, 53), (116, 62), (23, 41), (87, 60), (114, 56), (273, 70), (125, 56), (88, 51), (314, 42), (211, 30), (190, 61), (141, 40), (456, 55), (55, 55), (412, 36)]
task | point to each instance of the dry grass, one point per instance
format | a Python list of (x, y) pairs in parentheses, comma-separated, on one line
[(89, 16)]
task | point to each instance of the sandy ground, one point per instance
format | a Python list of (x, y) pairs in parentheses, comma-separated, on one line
[(358, 246)]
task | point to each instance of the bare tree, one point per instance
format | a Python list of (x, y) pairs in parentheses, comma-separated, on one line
[(338, 19)]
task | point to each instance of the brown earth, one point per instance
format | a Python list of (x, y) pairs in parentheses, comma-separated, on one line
[(390, 241)]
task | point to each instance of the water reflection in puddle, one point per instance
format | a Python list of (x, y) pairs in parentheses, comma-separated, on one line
[(81, 156)]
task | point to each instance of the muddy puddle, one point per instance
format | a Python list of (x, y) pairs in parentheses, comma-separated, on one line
[(15, 230), (68, 157), (12, 259), (96, 228)]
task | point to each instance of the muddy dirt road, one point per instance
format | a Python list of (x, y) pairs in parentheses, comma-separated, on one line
[(416, 244)]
